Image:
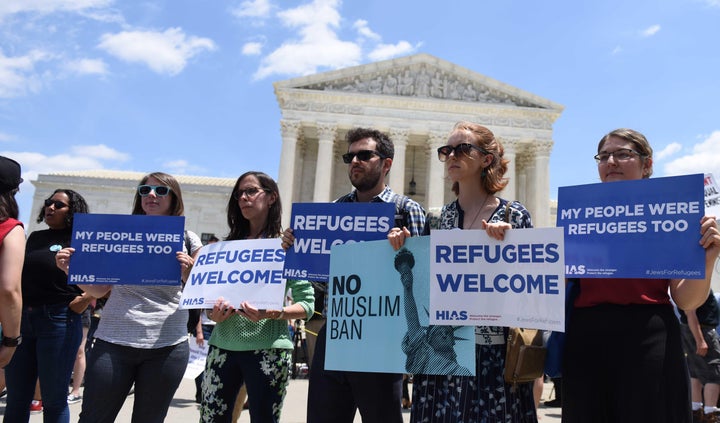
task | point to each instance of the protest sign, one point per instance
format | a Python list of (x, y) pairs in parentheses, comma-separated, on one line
[(648, 228), (371, 318), (246, 270), (196, 358), (126, 249), (478, 280), (712, 196), (319, 226)]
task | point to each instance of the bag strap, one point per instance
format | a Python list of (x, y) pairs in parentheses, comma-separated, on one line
[(507, 212)]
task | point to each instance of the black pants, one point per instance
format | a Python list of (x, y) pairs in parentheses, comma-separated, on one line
[(334, 396), (624, 363)]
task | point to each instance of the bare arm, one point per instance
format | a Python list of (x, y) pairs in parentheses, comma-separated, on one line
[(692, 293), (12, 256), (700, 344), (62, 261)]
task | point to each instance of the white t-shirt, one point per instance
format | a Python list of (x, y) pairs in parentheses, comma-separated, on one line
[(146, 316)]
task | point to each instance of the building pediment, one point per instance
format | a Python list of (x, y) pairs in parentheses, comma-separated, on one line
[(419, 76)]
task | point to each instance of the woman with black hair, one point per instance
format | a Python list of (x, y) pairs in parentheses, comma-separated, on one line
[(249, 345), (51, 318)]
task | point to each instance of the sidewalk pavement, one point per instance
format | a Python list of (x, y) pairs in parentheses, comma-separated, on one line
[(184, 409)]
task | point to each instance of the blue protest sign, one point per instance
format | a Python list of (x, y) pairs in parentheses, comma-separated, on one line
[(646, 228), (319, 226), (126, 249), (377, 317)]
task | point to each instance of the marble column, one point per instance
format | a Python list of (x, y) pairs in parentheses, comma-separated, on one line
[(510, 191), (323, 169), (541, 178), (289, 132), (436, 171), (530, 189), (399, 138)]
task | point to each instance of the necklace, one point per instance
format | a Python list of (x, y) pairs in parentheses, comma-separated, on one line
[(487, 196)]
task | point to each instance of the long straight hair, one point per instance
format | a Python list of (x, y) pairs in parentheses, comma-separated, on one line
[(239, 225)]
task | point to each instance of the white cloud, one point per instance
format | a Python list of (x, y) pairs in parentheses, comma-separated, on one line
[(252, 49), (36, 163), (363, 29), (387, 51), (705, 158), (616, 50), (100, 151), (253, 9), (650, 31), (668, 151), (18, 75), (8, 7), (164, 52), (87, 67), (319, 45), (6, 137), (182, 167)]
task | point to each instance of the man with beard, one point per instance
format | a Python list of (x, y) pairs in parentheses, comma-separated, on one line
[(334, 396)]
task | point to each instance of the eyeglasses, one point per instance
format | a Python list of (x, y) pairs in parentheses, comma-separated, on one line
[(362, 155), (621, 155), (160, 190), (249, 192), (57, 203), (464, 148)]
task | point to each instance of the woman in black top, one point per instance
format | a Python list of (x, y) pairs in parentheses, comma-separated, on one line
[(51, 327)]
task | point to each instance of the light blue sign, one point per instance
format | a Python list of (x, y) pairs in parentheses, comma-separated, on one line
[(377, 317), (319, 226), (647, 228), (126, 249)]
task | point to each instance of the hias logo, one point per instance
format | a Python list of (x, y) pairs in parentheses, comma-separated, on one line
[(82, 278), (574, 270), (295, 273), (451, 315)]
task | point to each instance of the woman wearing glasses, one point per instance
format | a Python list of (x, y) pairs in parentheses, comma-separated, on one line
[(142, 336), (474, 163), (248, 345), (51, 321), (623, 358)]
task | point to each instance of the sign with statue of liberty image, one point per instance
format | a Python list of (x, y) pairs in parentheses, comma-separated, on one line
[(377, 316)]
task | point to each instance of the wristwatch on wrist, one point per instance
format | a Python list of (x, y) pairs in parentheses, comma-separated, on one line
[(11, 342)]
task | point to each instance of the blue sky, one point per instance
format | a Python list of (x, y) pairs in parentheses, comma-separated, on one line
[(185, 86)]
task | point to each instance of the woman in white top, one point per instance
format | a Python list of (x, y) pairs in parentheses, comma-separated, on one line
[(142, 336)]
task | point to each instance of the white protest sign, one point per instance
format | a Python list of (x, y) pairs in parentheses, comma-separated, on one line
[(712, 196), (196, 358), (247, 270), (477, 280)]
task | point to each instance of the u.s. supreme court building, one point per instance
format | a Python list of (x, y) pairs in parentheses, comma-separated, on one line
[(415, 99)]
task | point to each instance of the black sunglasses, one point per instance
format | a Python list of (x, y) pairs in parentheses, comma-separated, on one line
[(57, 203), (160, 190), (464, 148), (362, 155), (250, 192)]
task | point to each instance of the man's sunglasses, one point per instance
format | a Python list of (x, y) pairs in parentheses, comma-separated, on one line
[(362, 155), (57, 203), (464, 148), (160, 190)]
